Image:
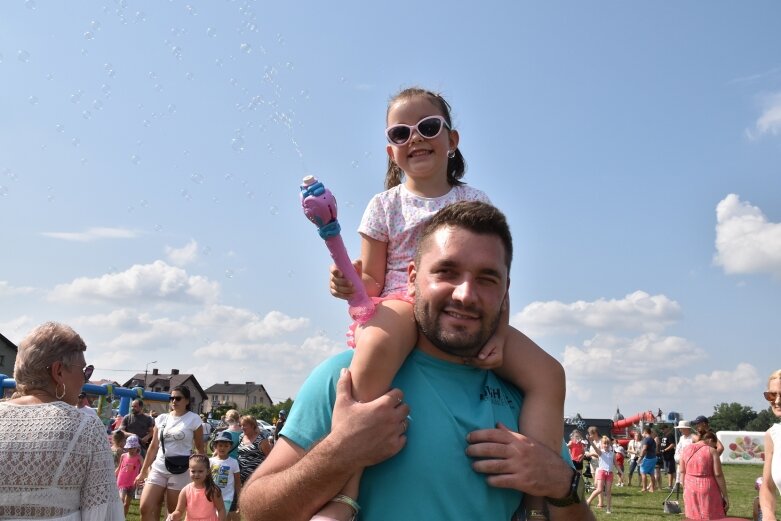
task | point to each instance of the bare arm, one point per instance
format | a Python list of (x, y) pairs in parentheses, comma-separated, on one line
[(768, 490), (198, 440), (151, 454), (719, 447), (362, 434), (541, 378), (219, 504), (719, 475), (181, 508), (374, 258)]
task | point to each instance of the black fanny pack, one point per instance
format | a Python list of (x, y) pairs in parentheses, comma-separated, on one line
[(177, 464), (173, 464)]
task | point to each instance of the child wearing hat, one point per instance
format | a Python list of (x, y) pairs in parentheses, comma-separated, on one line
[(129, 468), (225, 472)]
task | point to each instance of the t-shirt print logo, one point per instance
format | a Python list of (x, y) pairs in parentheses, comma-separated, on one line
[(496, 396)]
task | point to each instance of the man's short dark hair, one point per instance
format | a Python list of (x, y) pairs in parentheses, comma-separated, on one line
[(474, 216), (139, 401)]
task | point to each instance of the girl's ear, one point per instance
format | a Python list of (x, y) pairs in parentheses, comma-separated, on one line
[(453, 139)]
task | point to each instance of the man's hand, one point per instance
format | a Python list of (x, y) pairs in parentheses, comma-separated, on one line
[(515, 461), (372, 431)]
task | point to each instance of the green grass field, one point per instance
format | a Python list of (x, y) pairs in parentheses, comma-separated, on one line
[(630, 505)]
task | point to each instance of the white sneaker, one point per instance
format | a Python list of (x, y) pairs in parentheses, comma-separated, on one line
[(608, 511)]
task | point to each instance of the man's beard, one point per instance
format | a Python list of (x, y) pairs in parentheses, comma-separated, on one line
[(453, 342)]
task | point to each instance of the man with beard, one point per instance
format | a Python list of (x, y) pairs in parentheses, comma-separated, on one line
[(450, 420)]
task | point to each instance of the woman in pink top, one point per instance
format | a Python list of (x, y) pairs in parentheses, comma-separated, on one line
[(201, 500)]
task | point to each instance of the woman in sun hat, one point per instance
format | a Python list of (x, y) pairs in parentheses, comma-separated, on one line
[(684, 440)]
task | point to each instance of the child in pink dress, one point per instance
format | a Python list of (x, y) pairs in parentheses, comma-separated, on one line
[(129, 467), (201, 500)]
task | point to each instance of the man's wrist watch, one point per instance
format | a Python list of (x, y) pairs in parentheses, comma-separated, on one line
[(575, 494)]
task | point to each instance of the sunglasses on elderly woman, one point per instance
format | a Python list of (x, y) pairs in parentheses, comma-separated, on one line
[(428, 127), (771, 396)]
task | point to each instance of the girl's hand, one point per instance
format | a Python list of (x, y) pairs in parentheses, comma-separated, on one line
[(491, 355), (341, 287)]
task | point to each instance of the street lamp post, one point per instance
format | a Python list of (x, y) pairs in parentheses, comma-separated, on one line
[(146, 371)]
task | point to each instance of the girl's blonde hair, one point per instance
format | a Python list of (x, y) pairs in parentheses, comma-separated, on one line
[(456, 165), (48, 343), (232, 416), (775, 375)]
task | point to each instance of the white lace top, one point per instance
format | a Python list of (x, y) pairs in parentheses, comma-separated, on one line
[(55, 464)]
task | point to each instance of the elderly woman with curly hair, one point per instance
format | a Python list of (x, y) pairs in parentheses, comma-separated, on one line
[(57, 463)]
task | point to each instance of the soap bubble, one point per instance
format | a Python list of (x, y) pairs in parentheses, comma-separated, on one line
[(210, 31), (88, 35), (30, 4), (106, 90), (172, 108), (245, 48), (188, 75), (229, 273), (97, 104), (23, 56), (152, 75), (158, 227), (3, 191), (197, 178), (86, 114), (177, 52), (135, 159), (95, 25), (143, 203), (60, 128), (76, 96), (75, 142), (191, 10), (237, 144), (185, 194), (273, 209), (33, 100)]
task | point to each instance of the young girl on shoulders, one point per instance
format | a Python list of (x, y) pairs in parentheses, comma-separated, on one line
[(201, 499), (425, 167)]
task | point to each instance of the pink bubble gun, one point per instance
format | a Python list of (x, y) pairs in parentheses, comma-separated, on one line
[(320, 207)]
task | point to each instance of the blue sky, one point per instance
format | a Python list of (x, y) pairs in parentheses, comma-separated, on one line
[(152, 153)]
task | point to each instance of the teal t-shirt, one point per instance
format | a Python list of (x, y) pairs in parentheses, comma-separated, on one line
[(431, 478)]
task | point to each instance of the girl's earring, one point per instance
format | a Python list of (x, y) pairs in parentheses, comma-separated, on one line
[(451, 154)]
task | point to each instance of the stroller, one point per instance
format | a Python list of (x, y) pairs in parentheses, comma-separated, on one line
[(587, 476)]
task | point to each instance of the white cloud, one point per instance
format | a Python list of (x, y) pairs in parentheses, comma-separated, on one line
[(94, 234), (6, 290), (745, 241), (262, 363), (246, 326), (157, 281), (187, 254), (637, 311), (718, 382), (616, 358), (16, 329), (769, 122)]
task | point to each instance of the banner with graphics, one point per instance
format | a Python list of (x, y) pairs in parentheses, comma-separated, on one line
[(742, 447)]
